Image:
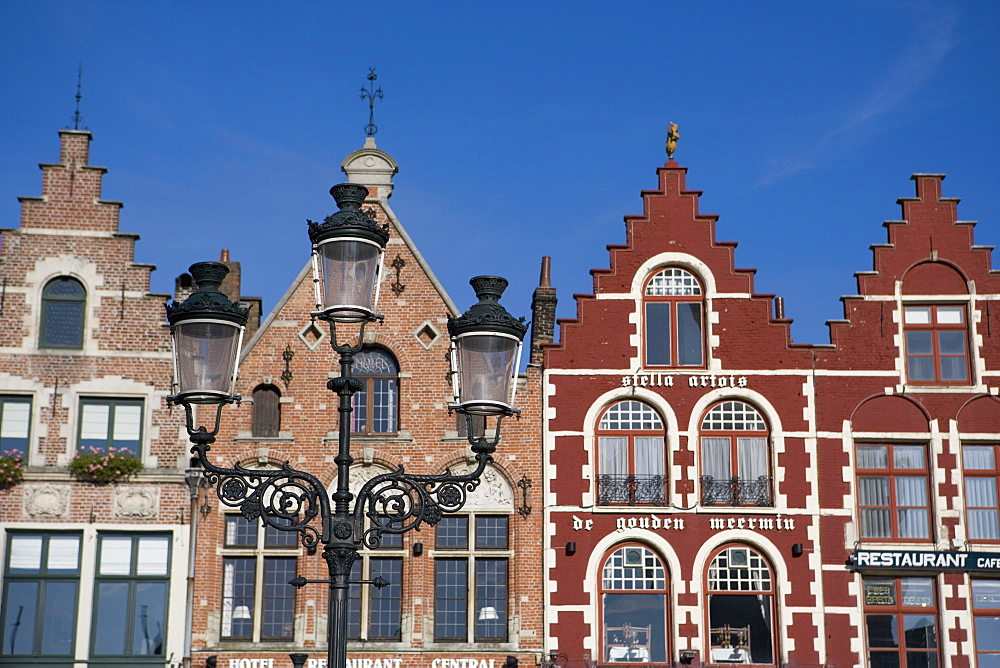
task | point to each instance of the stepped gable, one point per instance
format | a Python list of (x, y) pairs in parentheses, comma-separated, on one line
[(670, 223), (69, 230), (929, 252), (71, 192), (929, 232)]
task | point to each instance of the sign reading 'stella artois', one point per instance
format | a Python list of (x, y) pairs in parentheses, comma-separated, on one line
[(698, 380), (926, 561)]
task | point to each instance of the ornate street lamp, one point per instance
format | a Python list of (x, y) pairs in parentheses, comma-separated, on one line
[(347, 258), (347, 250)]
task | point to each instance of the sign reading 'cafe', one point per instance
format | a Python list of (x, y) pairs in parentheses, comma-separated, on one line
[(926, 561)]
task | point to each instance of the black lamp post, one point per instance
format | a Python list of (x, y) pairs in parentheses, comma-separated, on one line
[(207, 330)]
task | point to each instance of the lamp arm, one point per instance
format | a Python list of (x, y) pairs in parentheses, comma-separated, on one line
[(396, 502), (285, 499)]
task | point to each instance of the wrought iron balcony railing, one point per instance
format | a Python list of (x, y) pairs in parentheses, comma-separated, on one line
[(736, 491), (631, 490)]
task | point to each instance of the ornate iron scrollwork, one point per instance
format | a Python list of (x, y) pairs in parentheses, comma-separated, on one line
[(736, 491), (397, 285), (631, 490), (287, 356), (524, 484)]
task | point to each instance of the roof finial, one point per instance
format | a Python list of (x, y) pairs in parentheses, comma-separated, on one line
[(371, 95), (76, 118), (672, 136)]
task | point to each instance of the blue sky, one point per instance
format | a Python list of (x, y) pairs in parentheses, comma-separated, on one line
[(522, 129)]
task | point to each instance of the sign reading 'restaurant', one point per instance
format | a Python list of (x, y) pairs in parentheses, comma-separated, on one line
[(927, 561)]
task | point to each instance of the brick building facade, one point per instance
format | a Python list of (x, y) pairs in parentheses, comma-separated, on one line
[(717, 494), (463, 594), (95, 573)]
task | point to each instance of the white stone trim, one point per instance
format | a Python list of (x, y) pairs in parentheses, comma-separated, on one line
[(111, 387)]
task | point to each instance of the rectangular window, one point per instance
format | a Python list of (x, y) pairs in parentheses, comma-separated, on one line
[(900, 621), (257, 601), (689, 339), (937, 348), (376, 613), (41, 584), (893, 492), (15, 422), (979, 467), (111, 423), (130, 595), (658, 342), (673, 331), (471, 588), (986, 608)]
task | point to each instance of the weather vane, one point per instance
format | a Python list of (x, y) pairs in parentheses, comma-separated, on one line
[(76, 118), (672, 136), (371, 95)]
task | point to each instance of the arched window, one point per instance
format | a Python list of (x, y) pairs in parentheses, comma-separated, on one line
[(673, 319), (735, 456), (632, 459), (376, 407), (64, 302), (266, 417), (741, 607), (634, 606)]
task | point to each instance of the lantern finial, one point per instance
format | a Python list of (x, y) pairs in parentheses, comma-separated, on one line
[(488, 314), (207, 300)]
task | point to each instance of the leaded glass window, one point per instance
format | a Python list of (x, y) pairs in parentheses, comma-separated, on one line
[(376, 406), (741, 607), (634, 606), (64, 302), (471, 579)]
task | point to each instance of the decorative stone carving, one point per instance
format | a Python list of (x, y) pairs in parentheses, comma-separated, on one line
[(136, 501), (46, 500), (493, 493)]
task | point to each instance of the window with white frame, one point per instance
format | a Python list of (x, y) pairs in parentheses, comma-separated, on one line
[(937, 348), (901, 622), (257, 601), (376, 405), (741, 612), (735, 456), (673, 305), (634, 606), (471, 579), (110, 423), (64, 302), (40, 589), (980, 473), (986, 609), (15, 423), (893, 498), (130, 597), (632, 467)]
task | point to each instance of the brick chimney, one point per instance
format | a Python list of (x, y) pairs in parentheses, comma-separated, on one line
[(543, 313)]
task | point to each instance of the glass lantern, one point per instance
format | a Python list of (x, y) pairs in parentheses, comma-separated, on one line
[(207, 334), (485, 352), (347, 258)]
